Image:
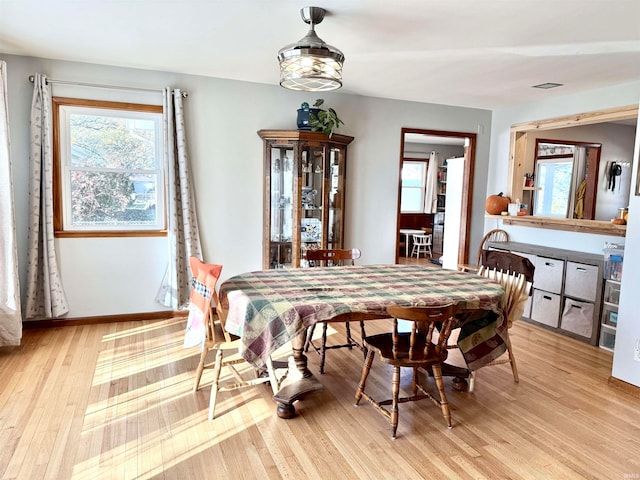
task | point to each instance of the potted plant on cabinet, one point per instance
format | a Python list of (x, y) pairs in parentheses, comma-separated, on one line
[(325, 121)]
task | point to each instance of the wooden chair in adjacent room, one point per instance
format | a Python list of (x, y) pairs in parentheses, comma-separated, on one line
[(515, 274), (495, 235), (421, 244), (201, 315), (327, 258), (415, 350)]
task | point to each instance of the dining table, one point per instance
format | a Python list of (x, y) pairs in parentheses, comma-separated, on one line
[(270, 308)]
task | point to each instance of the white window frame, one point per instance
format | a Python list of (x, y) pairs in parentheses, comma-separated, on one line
[(63, 150), (421, 188)]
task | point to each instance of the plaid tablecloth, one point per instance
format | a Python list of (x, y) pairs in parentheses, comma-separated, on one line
[(270, 307)]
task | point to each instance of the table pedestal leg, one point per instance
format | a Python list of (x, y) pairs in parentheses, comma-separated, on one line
[(299, 382)]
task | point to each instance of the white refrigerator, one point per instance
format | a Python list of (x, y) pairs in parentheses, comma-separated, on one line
[(452, 213)]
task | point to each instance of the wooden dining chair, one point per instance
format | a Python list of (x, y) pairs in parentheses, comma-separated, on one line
[(202, 317), (495, 235), (325, 258), (515, 274), (415, 349)]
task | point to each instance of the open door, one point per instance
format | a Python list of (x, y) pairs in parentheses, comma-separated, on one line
[(416, 146)]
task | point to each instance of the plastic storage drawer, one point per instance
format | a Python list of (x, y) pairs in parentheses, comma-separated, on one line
[(548, 274), (607, 337), (577, 317), (581, 281), (545, 308)]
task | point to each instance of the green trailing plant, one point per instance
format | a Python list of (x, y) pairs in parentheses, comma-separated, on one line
[(326, 121)]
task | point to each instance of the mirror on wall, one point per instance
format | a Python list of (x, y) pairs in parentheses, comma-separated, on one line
[(603, 140), (565, 175)]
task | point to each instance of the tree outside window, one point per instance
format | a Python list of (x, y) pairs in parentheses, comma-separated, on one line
[(109, 167)]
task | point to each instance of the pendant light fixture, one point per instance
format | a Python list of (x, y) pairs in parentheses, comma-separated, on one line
[(310, 64)]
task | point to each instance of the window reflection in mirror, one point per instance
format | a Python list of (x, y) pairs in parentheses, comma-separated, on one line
[(566, 176), (554, 181)]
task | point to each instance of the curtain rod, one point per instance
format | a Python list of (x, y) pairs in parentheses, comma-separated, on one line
[(97, 85)]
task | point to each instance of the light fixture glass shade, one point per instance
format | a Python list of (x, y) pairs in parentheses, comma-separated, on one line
[(310, 64)]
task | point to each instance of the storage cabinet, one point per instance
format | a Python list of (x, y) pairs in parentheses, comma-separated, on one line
[(567, 290), (304, 197), (609, 314)]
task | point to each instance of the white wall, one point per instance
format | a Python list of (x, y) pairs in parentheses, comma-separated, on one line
[(628, 330), (112, 276), (625, 367)]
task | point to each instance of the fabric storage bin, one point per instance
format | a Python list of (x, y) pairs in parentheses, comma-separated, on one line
[(548, 275), (581, 281), (577, 317), (545, 308)]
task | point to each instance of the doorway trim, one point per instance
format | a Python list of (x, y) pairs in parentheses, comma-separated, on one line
[(467, 186)]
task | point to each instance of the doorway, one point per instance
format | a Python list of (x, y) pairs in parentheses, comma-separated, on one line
[(416, 146)]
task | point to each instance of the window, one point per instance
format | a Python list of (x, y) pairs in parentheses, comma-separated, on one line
[(109, 176), (554, 179), (414, 175)]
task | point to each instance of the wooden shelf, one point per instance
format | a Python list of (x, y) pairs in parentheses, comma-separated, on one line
[(599, 227)]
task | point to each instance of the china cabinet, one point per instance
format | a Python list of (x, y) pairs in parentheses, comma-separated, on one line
[(304, 183)]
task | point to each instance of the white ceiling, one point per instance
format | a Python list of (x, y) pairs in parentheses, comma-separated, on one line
[(478, 53)]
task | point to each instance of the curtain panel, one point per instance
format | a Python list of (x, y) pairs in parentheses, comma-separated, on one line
[(184, 235), (45, 295), (10, 316), (430, 196)]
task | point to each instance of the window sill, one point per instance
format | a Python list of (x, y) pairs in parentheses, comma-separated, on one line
[(598, 227)]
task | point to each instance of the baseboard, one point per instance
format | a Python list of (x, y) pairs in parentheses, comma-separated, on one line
[(625, 387), (128, 317)]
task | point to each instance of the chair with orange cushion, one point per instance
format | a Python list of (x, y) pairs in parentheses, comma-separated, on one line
[(201, 330)]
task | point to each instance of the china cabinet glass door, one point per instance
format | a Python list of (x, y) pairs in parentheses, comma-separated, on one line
[(312, 199), (281, 168), (335, 220)]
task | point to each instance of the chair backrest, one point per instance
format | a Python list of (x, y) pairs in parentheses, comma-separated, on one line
[(424, 239), (516, 291), (508, 262), (423, 318), (335, 257), (203, 290), (495, 235)]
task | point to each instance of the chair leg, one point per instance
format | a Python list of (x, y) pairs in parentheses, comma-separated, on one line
[(323, 347), (307, 342), (444, 404), (365, 373), (512, 361), (472, 381), (362, 335), (200, 368), (347, 326), (414, 382), (273, 379), (214, 387), (395, 391)]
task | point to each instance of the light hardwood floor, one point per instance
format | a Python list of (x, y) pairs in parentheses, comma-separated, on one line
[(114, 401)]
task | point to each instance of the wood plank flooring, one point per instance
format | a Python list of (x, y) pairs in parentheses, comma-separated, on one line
[(114, 401)]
